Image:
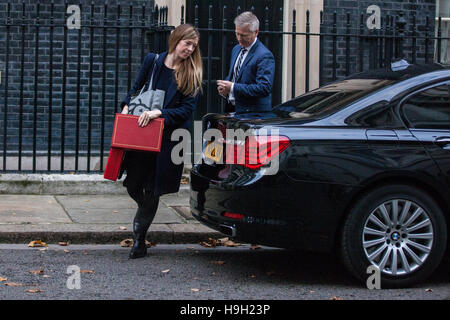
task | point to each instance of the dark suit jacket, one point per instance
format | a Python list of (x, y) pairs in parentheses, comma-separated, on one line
[(177, 113), (253, 87)]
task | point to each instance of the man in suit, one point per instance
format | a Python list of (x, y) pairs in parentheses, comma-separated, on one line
[(248, 86)]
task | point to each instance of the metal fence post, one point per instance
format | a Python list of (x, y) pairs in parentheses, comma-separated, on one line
[(400, 24), (294, 47)]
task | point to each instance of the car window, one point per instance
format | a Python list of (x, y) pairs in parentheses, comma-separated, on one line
[(329, 99), (428, 109), (377, 115)]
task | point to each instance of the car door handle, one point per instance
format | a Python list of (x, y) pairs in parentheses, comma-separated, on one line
[(387, 135), (443, 142)]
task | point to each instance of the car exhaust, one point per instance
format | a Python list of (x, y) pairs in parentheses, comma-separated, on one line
[(228, 230)]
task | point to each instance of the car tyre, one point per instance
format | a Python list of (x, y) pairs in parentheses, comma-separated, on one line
[(408, 250)]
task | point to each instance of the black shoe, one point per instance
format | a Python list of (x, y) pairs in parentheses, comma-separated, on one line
[(140, 227), (139, 250)]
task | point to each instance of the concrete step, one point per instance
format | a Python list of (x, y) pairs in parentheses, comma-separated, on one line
[(61, 184)]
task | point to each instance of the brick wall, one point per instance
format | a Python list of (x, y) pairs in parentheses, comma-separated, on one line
[(47, 96)]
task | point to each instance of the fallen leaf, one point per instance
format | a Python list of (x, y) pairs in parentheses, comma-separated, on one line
[(165, 271), (227, 242), (212, 243), (87, 271), (88, 200), (13, 284), (337, 298), (115, 211), (46, 276), (209, 244), (252, 276), (66, 251), (122, 228), (429, 290), (195, 290), (230, 243), (311, 291), (150, 244), (34, 290), (37, 243), (86, 211), (218, 262), (255, 247), (40, 271), (126, 243), (3, 279), (63, 244)]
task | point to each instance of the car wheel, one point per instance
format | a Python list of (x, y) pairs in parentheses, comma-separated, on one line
[(400, 230)]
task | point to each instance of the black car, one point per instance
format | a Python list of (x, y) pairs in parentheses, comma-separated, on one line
[(363, 170)]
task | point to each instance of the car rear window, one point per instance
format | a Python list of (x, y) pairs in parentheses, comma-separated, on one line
[(329, 99)]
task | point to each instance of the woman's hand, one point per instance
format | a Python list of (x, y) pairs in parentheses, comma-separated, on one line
[(125, 109), (147, 116)]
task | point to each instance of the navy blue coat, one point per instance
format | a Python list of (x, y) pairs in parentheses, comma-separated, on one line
[(253, 87), (158, 173)]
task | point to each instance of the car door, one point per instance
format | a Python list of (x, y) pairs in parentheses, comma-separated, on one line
[(427, 114)]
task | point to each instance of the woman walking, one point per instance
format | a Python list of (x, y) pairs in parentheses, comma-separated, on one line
[(178, 74)]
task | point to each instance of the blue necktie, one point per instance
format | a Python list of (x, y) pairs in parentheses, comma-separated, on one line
[(237, 67)]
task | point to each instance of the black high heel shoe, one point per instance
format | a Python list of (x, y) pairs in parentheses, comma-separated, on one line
[(140, 227), (139, 249)]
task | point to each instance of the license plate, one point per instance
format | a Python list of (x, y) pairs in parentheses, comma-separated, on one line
[(214, 151)]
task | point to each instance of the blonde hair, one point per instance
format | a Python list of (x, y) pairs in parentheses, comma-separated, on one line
[(189, 74)]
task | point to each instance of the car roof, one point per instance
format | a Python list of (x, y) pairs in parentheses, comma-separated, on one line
[(400, 83), (401, 73)]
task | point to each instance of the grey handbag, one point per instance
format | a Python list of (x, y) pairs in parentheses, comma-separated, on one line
[(147, 100)]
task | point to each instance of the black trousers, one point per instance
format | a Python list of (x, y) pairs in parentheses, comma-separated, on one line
[(147, 207), (140, 169)]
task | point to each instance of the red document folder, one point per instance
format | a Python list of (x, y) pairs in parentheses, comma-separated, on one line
[(113, 164), (128, 135)]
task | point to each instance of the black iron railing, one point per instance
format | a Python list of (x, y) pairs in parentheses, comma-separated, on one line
[(61, 87)]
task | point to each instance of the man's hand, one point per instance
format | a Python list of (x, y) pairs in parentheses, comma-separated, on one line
[(147, 116), (224, 87), (125, 109)]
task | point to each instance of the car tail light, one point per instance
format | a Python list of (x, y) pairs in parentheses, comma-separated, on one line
[(233, 215), (257, 151)]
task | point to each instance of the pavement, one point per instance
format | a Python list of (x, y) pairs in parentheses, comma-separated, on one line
[(88, 209)]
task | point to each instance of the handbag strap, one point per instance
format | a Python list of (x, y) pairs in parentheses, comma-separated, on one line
[(151, 78), (153, 71)]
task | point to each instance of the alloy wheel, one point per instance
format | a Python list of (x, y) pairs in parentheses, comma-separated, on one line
[(398, 237)]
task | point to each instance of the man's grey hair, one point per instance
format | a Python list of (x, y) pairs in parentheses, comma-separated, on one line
[(247, 18)]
